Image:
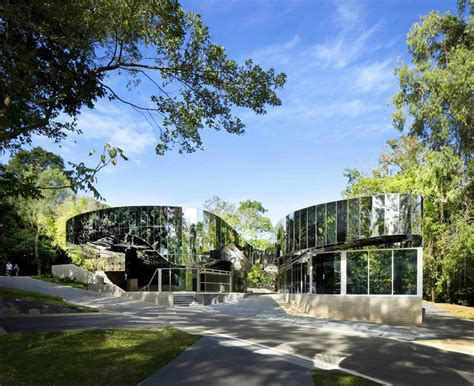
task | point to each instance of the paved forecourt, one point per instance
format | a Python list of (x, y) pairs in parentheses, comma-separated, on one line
[(390, 360)]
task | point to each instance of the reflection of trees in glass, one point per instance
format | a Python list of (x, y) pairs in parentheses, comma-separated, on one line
[(311, 226), (291, 232), (331, 223), (354, 219), (341, 221), (380, 272), (303, 229), (297, 230), (357, 273), (365, 216), (405, 272), (378, 215), (392, 214), (321, 225), (327, 273)]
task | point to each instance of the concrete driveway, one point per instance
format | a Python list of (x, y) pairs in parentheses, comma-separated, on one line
[(380, 352)]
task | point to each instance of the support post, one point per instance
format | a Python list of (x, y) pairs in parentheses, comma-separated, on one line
[(343, 273), (160, 280), (198, 280)]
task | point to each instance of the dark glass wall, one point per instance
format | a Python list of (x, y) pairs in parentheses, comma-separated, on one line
[(180, 235), (352, 220)]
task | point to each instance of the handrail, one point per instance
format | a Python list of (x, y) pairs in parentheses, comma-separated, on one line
[(148, 285)]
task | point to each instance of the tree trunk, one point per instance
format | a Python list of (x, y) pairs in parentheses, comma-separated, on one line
[(37, 258)]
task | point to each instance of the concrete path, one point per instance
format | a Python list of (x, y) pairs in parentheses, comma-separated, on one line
[(393, 361), (218, 362)]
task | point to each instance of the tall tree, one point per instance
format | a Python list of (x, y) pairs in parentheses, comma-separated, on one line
[(435, 101), (448, 230), (56, 57), (247, 218)]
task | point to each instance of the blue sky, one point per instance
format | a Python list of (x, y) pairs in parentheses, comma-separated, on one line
[(339, 58)]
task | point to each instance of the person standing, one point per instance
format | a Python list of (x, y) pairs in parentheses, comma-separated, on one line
[(16, 268), (9, 268)]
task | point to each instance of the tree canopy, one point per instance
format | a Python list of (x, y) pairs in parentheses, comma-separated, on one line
[(248, 218), (435, 101), (57, 58)]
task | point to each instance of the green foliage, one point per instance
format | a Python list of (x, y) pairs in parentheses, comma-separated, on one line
[(257, 275), (33, 227), (435, 98), (56, 57), (448, 231), (247, 218)]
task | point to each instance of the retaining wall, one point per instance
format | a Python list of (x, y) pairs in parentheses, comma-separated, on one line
[(390, 309)]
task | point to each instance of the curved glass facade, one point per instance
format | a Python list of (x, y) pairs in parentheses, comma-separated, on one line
[(180, 235), (362, 220), (359, 246)]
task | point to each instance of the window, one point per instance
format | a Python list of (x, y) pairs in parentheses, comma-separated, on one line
[(378, 215), (297, 230), (380, 272), (311, 227), (365, 216), (354, 220), (404, 272), (321, 224), (304, 230), (341, 221), (357, 273), (327, 273), (331, 223), (392, 214)]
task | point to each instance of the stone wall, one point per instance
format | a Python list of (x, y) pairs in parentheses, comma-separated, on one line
[(390, 309), (76, 273)]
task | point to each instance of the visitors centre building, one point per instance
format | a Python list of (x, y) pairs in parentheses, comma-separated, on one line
[(354, 259)]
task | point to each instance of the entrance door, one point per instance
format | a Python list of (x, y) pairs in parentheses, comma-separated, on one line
[(327, 273)]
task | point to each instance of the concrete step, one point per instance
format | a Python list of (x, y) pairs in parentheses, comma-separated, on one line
[(185, 301)]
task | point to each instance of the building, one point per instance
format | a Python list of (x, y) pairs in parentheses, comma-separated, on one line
[(354, 259)]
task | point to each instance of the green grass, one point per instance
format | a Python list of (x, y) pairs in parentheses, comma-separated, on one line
[(11, 293), (88, 357), (65, 281), (461, 311), (336, 378)]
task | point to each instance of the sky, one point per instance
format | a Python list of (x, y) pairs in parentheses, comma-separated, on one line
[(339, 57)]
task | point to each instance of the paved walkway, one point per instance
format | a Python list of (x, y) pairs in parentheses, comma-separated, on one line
[(219, 362), (258, 322)]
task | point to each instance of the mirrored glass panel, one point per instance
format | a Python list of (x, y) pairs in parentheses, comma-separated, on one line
[(378, 215), (365, 217), (404, 271), (357, 273), (341, 221), (354, 220), (380, 272), (311, 226), (331, 223), (304, 230), (297, 229), (392, 219), (321, 225)]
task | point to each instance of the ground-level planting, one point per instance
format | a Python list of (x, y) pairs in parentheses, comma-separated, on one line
[(336, 378), (88, 357)]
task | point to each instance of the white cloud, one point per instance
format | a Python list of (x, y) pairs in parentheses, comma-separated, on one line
[(277, 54), (119, 127), (350, 43), (378, 76)]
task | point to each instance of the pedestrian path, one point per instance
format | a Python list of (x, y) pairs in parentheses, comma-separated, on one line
[(258, 321)]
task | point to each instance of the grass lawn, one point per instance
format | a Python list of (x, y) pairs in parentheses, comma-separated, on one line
[(88, 357), (336, 378), (10, 293), (461, 311), (65, 281)]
